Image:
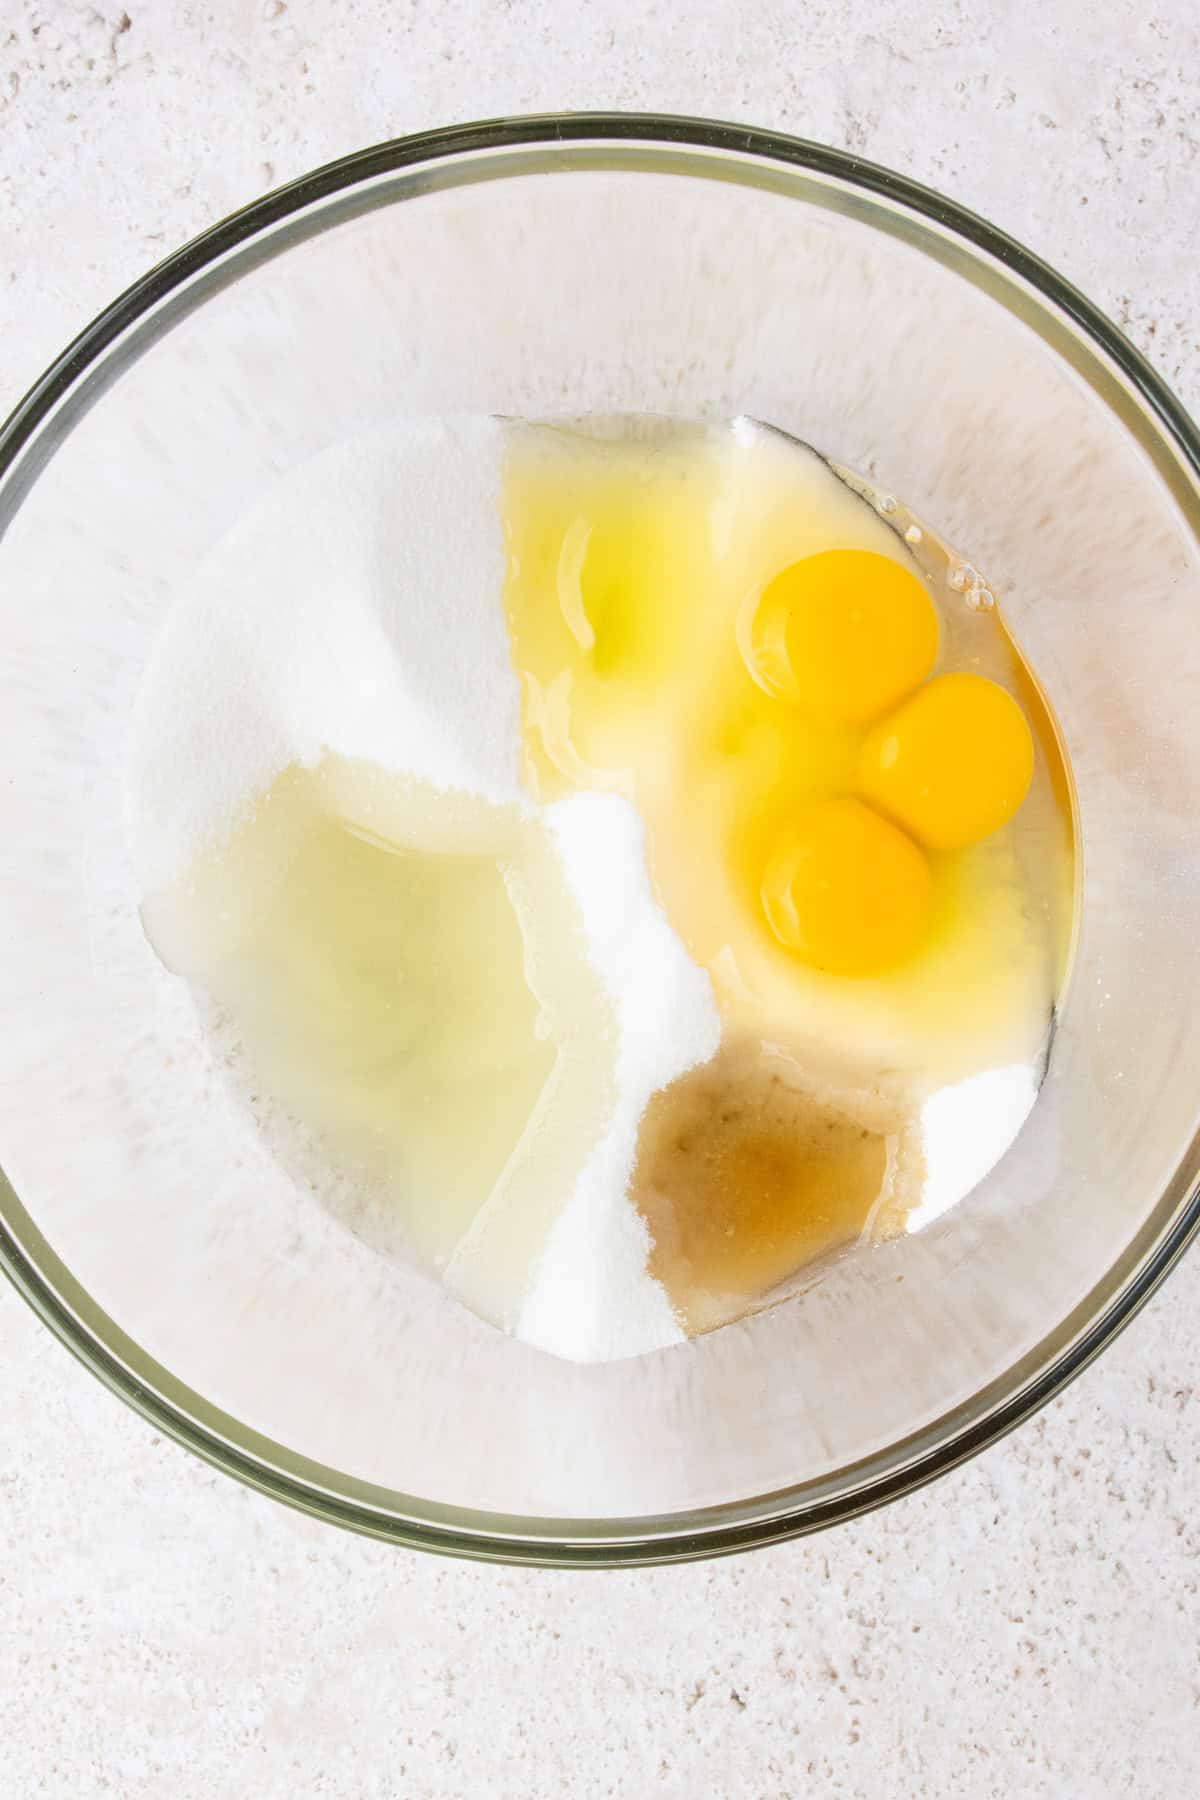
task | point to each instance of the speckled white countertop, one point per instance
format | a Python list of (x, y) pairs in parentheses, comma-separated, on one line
[(1029, 1626)]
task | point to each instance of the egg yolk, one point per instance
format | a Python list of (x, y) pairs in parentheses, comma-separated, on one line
[(845, 890), (952, 764), (733, 688), (844, 634)]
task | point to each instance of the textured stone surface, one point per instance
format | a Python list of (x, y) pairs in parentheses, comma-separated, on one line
[(1029, 1626)]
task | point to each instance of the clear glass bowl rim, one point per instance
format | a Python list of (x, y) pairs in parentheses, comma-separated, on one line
[(629, 142)]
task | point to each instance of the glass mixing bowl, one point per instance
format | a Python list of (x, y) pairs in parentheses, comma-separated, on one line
[(573, 264)]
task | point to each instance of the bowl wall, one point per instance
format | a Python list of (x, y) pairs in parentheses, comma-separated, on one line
[(566, 266)]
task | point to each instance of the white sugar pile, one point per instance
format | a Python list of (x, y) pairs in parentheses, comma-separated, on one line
[(356, 610), (353, 609), (965, 1130), (595, 1261)]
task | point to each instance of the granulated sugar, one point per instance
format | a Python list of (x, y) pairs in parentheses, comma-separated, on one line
[(965, 1130), (316, 629), (315, 625), (592, 1299)]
